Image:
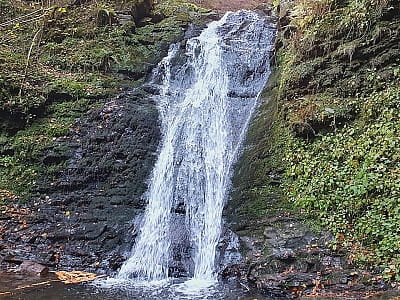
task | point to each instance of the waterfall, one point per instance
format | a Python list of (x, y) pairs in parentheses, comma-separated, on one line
[(208, 90)]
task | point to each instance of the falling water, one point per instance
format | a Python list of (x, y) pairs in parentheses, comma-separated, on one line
[(207, 92)]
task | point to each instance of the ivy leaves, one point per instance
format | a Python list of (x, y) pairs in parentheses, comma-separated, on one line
[(350, 179)]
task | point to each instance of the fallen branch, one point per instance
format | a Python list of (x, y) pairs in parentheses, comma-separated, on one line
[(30, 286), (36, 284), (33, 19)]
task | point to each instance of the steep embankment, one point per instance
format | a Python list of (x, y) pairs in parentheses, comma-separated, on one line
[(324, 148), (75, 153), (58, 61)]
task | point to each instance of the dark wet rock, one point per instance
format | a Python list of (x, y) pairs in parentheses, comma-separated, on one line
[(228, 250), (232, 270), (284, 254), (302, 129), (83, 216), (280, 251), (141, 9), (11, 122)]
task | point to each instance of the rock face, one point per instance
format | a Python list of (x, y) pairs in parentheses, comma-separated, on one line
[(282, 255), (82, 214), (86, 211)]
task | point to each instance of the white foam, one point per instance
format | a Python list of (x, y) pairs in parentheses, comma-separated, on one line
[(204, 120)]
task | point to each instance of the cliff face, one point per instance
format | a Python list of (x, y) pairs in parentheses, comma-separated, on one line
[(76, 143), (323, 147)]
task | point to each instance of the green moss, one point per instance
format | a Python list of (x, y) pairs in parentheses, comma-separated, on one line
[(342, 168), (71, 46), (75, 61), (258, 172), (182, 10), (21, 152)]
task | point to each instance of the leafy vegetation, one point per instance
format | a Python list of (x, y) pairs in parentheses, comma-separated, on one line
[(338, 123), (20, 159), (350, 179), (59, 58)]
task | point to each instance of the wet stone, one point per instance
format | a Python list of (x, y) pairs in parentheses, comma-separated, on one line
[(30, 267), (284, 253)]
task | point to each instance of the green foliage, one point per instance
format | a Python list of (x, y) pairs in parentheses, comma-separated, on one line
[(111, 49), (75, 62), (6, 10), (344, 174), (20, 162), (181, 10), (17, 94), (74, 47), (350, 179)]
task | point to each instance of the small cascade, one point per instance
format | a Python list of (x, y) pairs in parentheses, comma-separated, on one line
[(207, 92)]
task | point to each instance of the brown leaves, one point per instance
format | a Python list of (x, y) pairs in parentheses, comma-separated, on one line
[(76, 276), (7, 195)]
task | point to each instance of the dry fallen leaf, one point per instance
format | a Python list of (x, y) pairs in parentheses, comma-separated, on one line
[(76, 276)]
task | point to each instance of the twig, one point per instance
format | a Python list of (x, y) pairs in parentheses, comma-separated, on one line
[(21, 17), (31, 20), (5, 41), (245, 286), (27, 61)]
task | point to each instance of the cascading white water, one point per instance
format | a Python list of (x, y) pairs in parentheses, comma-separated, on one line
[(206, 97)]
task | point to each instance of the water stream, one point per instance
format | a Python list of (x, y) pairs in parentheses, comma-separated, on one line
[(207, 91)]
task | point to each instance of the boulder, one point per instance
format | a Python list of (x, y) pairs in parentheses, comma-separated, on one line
[(30, 267), (141, 9)]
